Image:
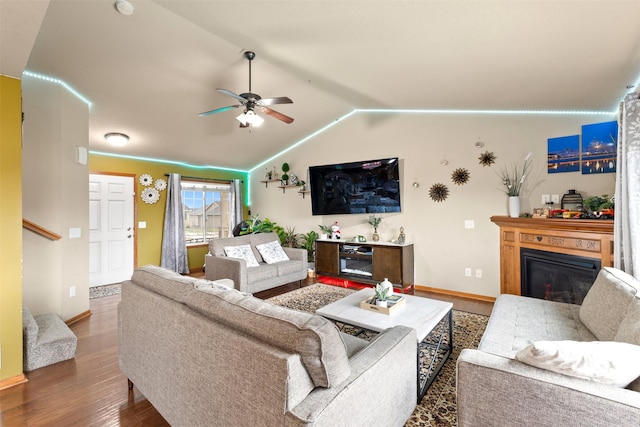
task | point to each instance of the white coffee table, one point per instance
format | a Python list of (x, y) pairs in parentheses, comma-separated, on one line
[(424, 315)]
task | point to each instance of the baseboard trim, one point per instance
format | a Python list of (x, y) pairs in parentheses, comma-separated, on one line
[(196, 270), (79, 317), (13, 381), (455, 293)]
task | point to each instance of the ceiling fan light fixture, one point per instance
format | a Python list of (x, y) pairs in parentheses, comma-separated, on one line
[(249, 117), (117, 139)]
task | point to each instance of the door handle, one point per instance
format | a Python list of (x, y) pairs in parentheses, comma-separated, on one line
[(129, 236)]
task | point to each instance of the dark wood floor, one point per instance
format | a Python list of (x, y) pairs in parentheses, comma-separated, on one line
[(91, 390)]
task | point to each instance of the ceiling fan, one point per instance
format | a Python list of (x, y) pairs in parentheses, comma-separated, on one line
[(252, 103)]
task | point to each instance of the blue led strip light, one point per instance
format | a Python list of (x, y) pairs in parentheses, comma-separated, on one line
[(60, 82)]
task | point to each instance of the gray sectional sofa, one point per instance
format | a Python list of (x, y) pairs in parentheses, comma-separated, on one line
[(205, 354), (494, 388), (254, 279)]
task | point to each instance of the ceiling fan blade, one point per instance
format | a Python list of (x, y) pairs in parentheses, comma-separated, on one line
[(234, 95), (218, 110), (275, 114), (273, 101)]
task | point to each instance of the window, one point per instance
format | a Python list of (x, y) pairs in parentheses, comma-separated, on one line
[(206, 208)]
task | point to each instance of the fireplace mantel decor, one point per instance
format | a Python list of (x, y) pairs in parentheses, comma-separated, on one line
[(580, 237)]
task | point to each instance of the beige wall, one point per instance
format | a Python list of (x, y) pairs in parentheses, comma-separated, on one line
[(443, 247), (56, 197)]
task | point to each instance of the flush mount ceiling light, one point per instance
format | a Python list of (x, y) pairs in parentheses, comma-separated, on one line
[(124, 7), (117, 139)]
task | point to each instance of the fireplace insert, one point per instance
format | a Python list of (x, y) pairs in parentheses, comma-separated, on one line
[(555, 276)]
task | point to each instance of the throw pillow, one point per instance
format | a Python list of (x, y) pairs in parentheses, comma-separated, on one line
[(242, 252), (272, 252), (606, 362)]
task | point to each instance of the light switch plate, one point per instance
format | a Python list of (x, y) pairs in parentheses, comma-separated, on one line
[(75, 233), (469, 223)]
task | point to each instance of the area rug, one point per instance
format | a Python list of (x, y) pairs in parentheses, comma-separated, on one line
[(438, 406), (104, 291)]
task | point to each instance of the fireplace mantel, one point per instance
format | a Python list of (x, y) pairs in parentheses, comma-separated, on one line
[(588, 238)]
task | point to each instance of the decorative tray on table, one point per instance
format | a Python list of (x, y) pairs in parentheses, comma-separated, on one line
[(394, 304)]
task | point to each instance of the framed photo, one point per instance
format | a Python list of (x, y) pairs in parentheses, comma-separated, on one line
[(599, 147), (563, 154)]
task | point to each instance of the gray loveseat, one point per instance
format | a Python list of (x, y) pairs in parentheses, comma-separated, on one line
[(495, 389), (204, 354), (254, 279)]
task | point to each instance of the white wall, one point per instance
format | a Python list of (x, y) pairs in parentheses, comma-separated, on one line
[(55, 196), (443, 247)]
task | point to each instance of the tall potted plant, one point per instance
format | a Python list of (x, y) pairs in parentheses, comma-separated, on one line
[(309, 243)]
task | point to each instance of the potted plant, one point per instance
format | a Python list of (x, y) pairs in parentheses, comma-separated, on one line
[(375, 221), (285, 177), (326, 231), (256, 225), (302, 185), (309, 243), (381, 295), (289, 237)]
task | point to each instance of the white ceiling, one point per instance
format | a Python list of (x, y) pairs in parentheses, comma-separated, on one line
[(149, 74)]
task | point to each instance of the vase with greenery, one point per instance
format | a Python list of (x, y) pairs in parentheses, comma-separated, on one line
[(375, 221), (513, 179), (303, 185)]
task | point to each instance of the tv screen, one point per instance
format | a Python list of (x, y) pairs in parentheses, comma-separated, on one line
[(371, 186)]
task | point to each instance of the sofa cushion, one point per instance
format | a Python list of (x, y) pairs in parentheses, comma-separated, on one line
[(272, 252), (518, 321), (288, 267), (165, 282), (216, 246), (314, 338), (629, 330), (265, 272), (242, 252), (260, 239), (606, 362), (607, 302)]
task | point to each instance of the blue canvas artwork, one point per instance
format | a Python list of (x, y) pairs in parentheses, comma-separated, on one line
[(599, 147), (563, 154)]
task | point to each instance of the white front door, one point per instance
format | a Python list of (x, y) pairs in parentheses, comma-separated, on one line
[(111, 229)]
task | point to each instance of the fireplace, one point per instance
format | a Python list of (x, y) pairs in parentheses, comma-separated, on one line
[(555, 276)]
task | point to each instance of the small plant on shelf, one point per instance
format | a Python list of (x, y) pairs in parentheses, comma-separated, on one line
[(285, 176)]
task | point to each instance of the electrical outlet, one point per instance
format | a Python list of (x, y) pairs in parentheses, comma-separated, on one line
[(467, 272), (469, 223), (555, 198), (478, 273), (546, 198)]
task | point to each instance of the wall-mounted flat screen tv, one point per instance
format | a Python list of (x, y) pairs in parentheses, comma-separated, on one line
[(371, 186)]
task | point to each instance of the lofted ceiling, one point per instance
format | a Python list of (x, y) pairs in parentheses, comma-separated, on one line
[(149, 74)]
